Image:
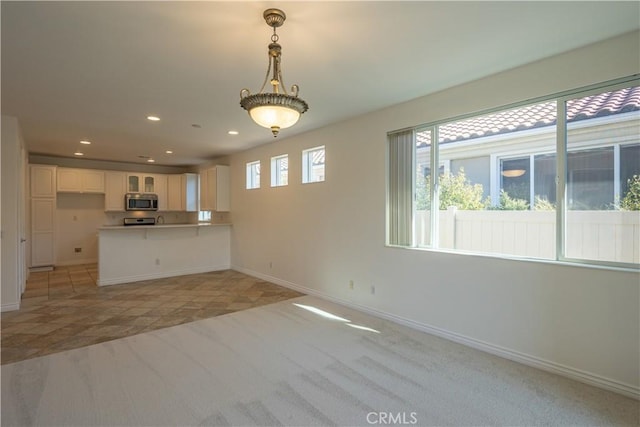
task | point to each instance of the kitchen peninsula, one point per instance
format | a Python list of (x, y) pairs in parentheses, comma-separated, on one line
[(134, 253)]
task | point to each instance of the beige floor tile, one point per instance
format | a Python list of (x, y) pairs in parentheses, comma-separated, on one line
[(64, 309)]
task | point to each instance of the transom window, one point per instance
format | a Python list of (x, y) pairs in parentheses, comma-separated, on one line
[(253, 175), (313, 165), (280, 170)]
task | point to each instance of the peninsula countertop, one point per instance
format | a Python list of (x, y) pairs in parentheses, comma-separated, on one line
[(160, 226)]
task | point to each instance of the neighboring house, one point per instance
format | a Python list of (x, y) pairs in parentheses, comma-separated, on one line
[(514, 150)]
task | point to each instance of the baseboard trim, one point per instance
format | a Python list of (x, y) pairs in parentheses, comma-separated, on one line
[(9, 307), (77, 262), (526, 359), (161, 275)]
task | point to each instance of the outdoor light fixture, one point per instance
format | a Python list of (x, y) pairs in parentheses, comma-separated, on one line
[(277, 109), (513, 173)]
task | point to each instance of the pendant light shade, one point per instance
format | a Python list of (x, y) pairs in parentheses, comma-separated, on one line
[(277, 109)]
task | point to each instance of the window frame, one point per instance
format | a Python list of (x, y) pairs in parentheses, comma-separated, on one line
[(561, 153), (253, 178), (307, 164), (276, 176)]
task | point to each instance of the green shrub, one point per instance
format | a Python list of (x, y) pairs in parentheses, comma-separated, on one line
[(543, 204), (508, 203), (455, 190), (631, 200)]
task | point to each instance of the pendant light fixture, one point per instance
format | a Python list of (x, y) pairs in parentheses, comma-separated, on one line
[(277, 109)]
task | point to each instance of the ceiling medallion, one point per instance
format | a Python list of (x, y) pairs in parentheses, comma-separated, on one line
[(277, 109)]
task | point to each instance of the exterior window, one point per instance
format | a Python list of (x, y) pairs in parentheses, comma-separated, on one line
[(600, 224), (253, 175), (279, 170), (500, 185), (313, 165), (204, 216)]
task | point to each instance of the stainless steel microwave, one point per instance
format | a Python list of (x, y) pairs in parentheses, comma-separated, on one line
[(141, 202)]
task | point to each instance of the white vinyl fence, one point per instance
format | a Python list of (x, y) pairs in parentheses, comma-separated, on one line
[(594, 235)]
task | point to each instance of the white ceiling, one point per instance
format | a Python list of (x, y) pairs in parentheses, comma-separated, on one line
[(95, 70)]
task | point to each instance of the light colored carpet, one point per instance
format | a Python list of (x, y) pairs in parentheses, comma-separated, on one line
[(283, 364)]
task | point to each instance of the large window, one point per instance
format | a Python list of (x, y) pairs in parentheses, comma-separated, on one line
[(557, 179)]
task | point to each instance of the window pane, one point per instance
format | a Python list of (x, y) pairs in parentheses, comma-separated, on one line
[(487, 198), (515, 180), (279, 171), (544, 182), (423, 191), (599, 126), (629, 167), (313, 165), (253, 175)]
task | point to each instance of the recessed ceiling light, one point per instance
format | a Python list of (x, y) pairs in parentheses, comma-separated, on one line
[(153, 118), (77, 153), (169, 152), (85, 142), (150, 160), (233, 132)]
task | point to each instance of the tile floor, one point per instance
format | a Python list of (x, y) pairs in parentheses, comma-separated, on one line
[(64, 309)]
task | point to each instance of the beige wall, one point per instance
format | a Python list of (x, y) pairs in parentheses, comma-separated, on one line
[(582, 322)]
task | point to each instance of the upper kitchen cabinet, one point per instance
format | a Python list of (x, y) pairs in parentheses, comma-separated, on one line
[(43, 181), (115, 189), (71, 180), (214, 189), (141, 183), (160, 187), (182, 192)]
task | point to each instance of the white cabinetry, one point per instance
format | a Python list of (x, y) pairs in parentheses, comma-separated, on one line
[(141, 183), (80, 180), (43, 181), (43, 209), (115, 188), (160, 186), (214, 189), (182, 192)]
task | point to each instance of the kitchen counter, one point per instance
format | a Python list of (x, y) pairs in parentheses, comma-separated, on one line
[(135, 227), (141, 252)]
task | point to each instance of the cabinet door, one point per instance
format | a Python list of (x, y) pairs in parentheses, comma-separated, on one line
[(134, 183), (174, 193), (160, 186), (92, 181), (69, 180), (115, 188), (148, 183), (222, 199), (43, 181), (205, 200), (42, 232)]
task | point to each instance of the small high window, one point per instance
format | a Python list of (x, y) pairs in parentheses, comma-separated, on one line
[(313, 165), (280, 170), (253, 175)]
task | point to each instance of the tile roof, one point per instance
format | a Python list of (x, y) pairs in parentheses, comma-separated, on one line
[(536, 116)]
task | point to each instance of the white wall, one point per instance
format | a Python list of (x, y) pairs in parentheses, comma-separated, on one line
[(580, 321), (12, 184), (78, 217)]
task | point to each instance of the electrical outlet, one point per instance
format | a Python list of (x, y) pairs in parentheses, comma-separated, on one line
[(157, 261), (351, 284), (373, 290), (270, 264)]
